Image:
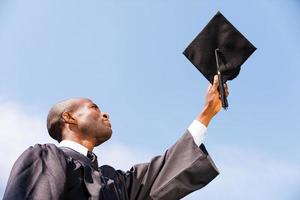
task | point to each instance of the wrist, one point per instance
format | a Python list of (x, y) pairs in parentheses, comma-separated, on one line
[(205, 116)]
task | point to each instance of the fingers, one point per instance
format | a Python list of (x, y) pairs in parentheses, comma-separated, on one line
[(225, 86), (216, 82), (226, 89), (215, 85), (208, 88)]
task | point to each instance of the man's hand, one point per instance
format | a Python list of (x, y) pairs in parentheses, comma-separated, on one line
[(213, 102)]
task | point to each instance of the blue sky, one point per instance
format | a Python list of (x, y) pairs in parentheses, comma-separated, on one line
[(127, 57)]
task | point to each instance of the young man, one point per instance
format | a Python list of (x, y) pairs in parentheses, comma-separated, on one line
[(70, 171)]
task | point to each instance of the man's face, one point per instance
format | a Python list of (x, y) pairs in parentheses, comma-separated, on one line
[(92, 122)]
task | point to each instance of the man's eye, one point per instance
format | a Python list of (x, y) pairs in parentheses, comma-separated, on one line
[(94, 107)]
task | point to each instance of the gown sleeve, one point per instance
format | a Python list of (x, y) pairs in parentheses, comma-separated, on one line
[(182, 169), (39, 173)]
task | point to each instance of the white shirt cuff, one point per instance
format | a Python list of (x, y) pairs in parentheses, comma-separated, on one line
[(198, 131)]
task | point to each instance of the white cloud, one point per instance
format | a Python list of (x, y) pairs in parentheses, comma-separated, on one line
[(17, 132), (251, 175), (244, 174)]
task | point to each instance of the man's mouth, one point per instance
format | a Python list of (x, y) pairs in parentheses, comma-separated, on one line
[(107, 123)]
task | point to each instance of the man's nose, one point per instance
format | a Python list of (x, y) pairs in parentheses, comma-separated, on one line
[(105, 115)]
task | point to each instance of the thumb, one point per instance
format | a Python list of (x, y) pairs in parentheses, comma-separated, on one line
[(216, 82)]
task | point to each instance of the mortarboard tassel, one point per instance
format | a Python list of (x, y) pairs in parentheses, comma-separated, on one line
[(221, 83)]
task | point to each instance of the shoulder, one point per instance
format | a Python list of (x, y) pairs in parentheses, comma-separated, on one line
[(106, 169), (40, 153), (41, 150), (42, 147), (38, 173), (110, 172)]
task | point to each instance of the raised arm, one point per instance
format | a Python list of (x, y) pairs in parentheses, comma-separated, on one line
[(182, 169)]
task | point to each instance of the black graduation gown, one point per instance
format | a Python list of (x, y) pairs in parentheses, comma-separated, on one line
[(48, 172)]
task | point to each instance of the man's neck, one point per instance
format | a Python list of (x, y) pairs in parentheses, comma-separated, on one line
[(84, 142), (74, 145)]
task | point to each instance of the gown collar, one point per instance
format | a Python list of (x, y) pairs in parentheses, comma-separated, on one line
[(74, 145)]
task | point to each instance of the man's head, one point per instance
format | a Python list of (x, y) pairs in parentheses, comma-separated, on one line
[(78, 119)]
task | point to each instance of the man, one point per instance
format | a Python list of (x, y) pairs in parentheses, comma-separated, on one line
[(70, 171)]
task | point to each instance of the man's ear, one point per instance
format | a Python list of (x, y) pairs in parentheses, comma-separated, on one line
[(68, 118)]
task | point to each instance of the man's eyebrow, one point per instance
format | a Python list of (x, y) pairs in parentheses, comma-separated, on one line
[(94, 105)]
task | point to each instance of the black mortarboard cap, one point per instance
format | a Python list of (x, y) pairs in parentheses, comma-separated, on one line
[(219, 47)]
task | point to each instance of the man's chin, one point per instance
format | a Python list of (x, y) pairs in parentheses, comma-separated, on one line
[(104, 137)]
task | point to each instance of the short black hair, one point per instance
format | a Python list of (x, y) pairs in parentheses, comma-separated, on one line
[(55, 121)]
